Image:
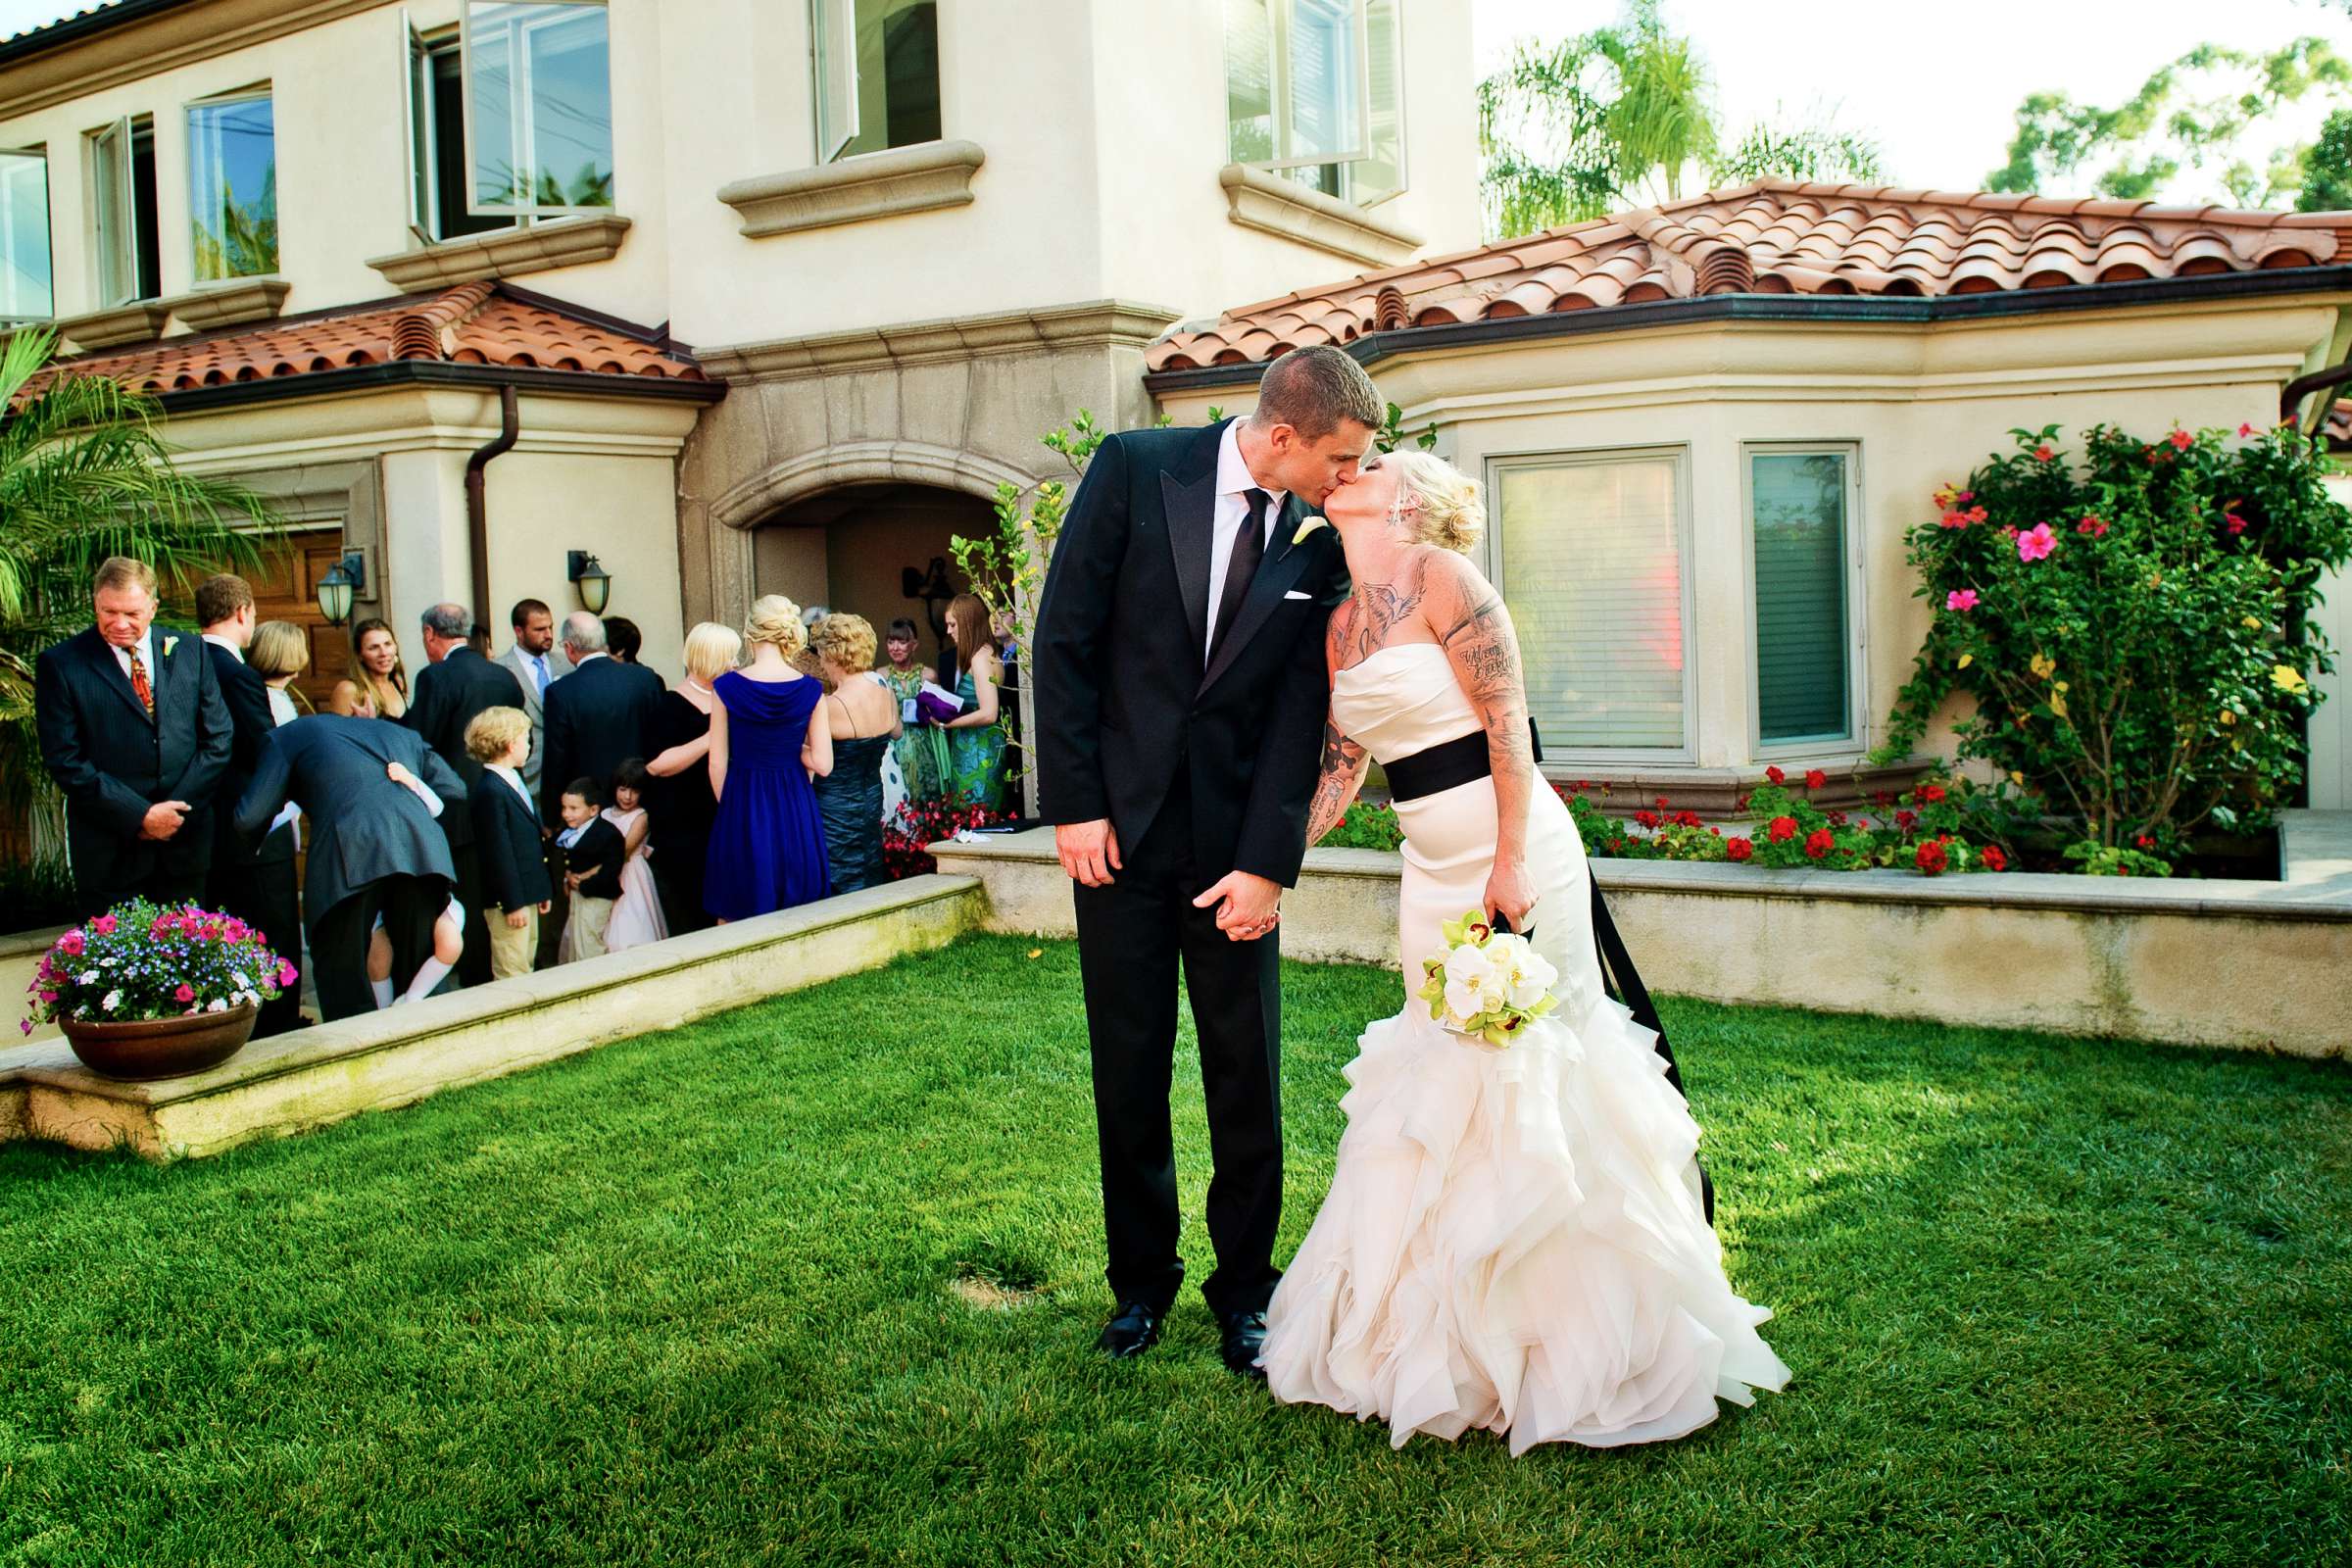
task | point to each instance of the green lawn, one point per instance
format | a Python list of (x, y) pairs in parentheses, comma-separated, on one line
[(817, 1282)]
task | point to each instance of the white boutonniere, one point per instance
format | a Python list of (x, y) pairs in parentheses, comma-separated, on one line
[(1308, 527), (169, 643)]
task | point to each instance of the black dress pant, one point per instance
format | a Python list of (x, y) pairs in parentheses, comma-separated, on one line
[(164, 888), (410, 904), (678, 865), (473, 958), (1132, 936), (264, 895)]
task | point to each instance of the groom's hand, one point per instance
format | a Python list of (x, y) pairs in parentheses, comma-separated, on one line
[(1089, 850), (1249, 906)]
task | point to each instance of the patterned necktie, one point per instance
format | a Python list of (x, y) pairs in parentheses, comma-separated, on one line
[(1248, 548), (140, 686)]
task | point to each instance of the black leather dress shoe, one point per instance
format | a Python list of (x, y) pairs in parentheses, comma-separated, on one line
[(1245, 1337), (1134, 1331)]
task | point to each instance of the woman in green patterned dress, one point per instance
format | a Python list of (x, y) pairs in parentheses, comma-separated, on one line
[(975, 736), (921, 750)]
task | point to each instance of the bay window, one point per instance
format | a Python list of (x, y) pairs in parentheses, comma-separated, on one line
[(1592, 550), (1314, 89), (1801, 503), (877, 75), (25, 285), (232, 185), (538, 101)]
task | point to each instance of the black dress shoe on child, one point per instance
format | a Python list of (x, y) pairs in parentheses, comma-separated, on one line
[(1134, 1331), (1244, 1337)]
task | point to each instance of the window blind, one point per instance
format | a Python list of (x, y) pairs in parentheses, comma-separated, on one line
[(1593, 572), (1803, 638)]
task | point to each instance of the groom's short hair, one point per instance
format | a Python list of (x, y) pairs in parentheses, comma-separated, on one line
[(1314, 390)]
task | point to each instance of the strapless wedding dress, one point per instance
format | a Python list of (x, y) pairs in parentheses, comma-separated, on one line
[(1513, 1238)]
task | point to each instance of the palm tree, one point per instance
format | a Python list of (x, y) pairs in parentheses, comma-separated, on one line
[(85, 475)]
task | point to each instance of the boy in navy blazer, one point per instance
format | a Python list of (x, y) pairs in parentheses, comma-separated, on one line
[(516, 890)]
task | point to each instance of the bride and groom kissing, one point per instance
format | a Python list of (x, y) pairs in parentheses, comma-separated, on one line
[(1236, 622)]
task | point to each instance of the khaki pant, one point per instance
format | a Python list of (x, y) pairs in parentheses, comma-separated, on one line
[(511, 951), (585, 934)]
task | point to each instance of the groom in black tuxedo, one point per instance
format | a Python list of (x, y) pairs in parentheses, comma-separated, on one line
[(1181, 694)]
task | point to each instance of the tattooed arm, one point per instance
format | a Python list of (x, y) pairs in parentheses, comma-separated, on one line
[(1475, 630), (1343, 766)]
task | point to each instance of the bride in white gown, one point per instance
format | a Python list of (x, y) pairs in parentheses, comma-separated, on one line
[(1513, 1238)]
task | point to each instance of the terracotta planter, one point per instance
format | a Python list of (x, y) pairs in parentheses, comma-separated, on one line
[(141, 1051)]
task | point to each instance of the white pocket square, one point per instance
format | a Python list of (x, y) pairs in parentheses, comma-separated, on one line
[(1297, 594)]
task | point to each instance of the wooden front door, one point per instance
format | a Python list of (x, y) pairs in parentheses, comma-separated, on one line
[(286, 587)]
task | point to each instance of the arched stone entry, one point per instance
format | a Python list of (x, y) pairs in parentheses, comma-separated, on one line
[(850, 548)]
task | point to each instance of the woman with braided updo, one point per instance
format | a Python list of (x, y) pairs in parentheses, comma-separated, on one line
[(768, 734)]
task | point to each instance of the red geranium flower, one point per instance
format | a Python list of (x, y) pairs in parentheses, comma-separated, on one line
[(1815, 778), (1819, 843), (1645, 818), (1773, 775), (1837, 819), (2233, 523), (1931, 857), (1738, 848), (1906, 821), (1782, 829), (1993, 859), (2144, 842), (1930, 792)]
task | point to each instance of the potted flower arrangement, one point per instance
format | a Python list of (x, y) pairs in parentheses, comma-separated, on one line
[(144, 993)]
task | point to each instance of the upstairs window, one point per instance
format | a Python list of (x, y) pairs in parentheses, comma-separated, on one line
[(232, 185), (1314, 89), (538, 108), (439, 178), (26, 292), (123, 241), (877, 75)]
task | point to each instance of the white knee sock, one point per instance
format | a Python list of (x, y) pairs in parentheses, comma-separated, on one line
[(430, 972), (383, 991)]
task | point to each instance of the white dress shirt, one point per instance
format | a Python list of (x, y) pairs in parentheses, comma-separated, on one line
[(1233, 478), (234, 652), (514, 782)]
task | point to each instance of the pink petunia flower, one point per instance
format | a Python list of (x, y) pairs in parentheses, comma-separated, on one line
[(104, 925), (69, 943), (186, 993), (2036, 542), (1962, 600)]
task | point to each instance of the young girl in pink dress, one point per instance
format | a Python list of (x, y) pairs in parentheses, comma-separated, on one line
[(637, 913)]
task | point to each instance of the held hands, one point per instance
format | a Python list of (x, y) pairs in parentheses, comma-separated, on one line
[(1510, 894), (545, 904), (1249, 906), (162, 820), (1089, 850)]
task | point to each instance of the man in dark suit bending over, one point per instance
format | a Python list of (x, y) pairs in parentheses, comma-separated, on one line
[(133, 730)]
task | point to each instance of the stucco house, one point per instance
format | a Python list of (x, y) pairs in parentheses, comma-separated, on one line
[(733, 295), (1705, 429)]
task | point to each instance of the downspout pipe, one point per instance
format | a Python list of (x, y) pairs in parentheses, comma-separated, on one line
[(2290, 401), (478, 506)]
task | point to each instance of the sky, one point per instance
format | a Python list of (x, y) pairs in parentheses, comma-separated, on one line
[(1936, 86)]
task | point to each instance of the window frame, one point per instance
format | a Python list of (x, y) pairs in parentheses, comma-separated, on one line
[(1855, 742), (420, 52), (516, 98), (1564, 760), (39, 152), (114, 141), (255, 92), (820, 93)]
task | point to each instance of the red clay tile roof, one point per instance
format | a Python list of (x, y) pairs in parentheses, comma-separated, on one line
[(471, 323), (1777, 236)]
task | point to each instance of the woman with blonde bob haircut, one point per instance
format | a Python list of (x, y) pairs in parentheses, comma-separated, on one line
[(768, 735), (679, 802)]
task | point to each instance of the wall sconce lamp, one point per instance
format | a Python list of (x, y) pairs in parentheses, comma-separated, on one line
[(338, 584), (594, 583)]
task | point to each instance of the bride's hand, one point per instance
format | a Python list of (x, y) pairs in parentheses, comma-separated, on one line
[(1510, 893)]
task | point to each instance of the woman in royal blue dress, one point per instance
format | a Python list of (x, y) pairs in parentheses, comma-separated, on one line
[(768, 736)]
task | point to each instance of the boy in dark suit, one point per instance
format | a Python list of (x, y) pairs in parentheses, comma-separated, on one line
[(593, 853), (516, 890)]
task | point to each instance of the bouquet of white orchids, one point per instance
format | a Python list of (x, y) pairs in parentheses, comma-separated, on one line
[(1487, 984)]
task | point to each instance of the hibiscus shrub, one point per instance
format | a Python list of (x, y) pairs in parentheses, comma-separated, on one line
[(2131, 626)]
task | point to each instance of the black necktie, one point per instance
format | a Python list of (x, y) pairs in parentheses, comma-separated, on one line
[(1249, 548)]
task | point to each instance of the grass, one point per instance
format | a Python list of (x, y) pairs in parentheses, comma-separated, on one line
[(817, 1281)]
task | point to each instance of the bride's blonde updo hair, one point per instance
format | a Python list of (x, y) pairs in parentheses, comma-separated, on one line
[(1440, 505), (776, 620)]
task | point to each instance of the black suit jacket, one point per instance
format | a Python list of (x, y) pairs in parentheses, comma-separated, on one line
[(363, 827), (247, 698), (506, 846), (596, 857), (595, 719), (1123, 700), (447, 698), (112, 762)]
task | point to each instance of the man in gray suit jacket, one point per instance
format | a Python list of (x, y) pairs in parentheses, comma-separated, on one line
[(376, 846), (536, 664)]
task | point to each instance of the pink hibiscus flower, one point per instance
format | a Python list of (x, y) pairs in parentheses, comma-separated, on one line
[(1961, 599), (2036, 542)]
